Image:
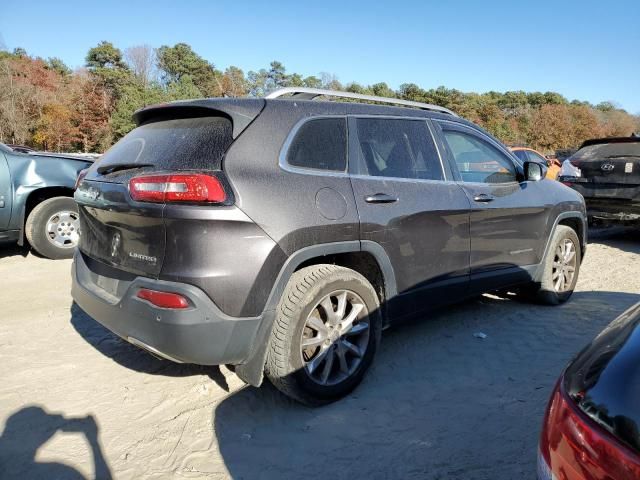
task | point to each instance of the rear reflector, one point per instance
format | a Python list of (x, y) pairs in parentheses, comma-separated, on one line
[(163, 299), (574, 447), (177, 187)]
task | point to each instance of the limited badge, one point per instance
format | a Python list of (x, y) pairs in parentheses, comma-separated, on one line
[(628, 167)]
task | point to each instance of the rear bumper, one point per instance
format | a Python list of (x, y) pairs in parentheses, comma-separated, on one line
[(615, 210), (611, 202), (200, 334)]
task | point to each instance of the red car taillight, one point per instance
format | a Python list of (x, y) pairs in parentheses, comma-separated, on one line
[(163, 299), (177, 187), (574, 447), (81, 174)]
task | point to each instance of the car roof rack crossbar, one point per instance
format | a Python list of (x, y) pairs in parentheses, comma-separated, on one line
[(304, 93)]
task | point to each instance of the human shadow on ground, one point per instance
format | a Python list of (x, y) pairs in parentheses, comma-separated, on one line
[(437, 403), (134, 358), (29, 428)]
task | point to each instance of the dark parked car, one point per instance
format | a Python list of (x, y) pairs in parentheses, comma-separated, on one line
[(280, 235), (36, 200), (591, 427), (606, 171)]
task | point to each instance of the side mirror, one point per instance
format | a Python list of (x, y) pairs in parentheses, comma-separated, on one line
[(534, 171)]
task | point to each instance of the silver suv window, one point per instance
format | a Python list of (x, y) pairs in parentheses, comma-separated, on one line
[(320, 144), (398, 148)]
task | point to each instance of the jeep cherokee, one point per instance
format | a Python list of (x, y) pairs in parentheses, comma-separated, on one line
[(281, 235)]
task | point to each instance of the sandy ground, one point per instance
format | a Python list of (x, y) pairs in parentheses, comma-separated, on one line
[(438, 403)]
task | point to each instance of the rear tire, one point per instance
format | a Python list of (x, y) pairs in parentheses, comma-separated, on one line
[(336, 312), (52, 228), (561, 267)]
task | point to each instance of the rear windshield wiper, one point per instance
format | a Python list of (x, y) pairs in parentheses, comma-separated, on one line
[(121, 166), (623, 156)]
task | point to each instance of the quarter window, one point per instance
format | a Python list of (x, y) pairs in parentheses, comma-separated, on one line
[(320, 144), (397, 148), (477, 160)]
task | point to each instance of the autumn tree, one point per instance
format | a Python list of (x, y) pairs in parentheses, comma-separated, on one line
[(90, 115), (234, 83), (551, 128), (54, 129), (616, 123)]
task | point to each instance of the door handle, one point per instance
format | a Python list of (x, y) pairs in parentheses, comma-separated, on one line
[(483, 198), (380, 198)]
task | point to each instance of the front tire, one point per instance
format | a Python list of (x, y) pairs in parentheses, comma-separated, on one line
[(561, 267), (52, 228), (325, 334)]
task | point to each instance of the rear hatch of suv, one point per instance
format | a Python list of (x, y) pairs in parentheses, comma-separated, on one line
[(126, 229), (607, 169)]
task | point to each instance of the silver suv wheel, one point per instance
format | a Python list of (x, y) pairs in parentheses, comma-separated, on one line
[(564, 266), (335, 337), (63, 229)]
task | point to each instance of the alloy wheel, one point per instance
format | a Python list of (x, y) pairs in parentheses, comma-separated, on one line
[(335, 337), (564, 266)]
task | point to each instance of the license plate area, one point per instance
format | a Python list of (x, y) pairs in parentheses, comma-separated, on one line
[(109, 285)]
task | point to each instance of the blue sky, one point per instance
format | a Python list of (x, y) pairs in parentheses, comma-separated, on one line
[(583, 49)]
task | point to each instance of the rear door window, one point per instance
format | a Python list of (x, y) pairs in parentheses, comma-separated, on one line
[(178, 144), (397, 148), (320, 144), (476, 159)]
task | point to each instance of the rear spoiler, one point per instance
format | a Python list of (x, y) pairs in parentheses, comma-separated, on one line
[(241, 111), (599, 141)]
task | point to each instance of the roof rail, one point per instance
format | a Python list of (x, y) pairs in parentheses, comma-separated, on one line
[(304, 93)]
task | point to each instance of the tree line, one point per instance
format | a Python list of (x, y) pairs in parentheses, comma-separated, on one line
[(46, 105)]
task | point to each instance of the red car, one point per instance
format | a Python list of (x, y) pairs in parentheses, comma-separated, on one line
[(591, 430)]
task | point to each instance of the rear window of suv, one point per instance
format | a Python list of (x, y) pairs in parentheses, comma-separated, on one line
[(320, 144), (604, 151), (178, 144)]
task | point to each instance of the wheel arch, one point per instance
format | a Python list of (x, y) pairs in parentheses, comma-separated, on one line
[(573, 219), (36, 197), (578, 225), (366, 257)]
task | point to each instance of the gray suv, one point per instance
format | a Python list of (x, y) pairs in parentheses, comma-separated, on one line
[(281, 235)]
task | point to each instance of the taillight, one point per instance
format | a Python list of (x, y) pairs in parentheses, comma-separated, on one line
[(163, 299), (574, 447), (177, 187), (81, 174)]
